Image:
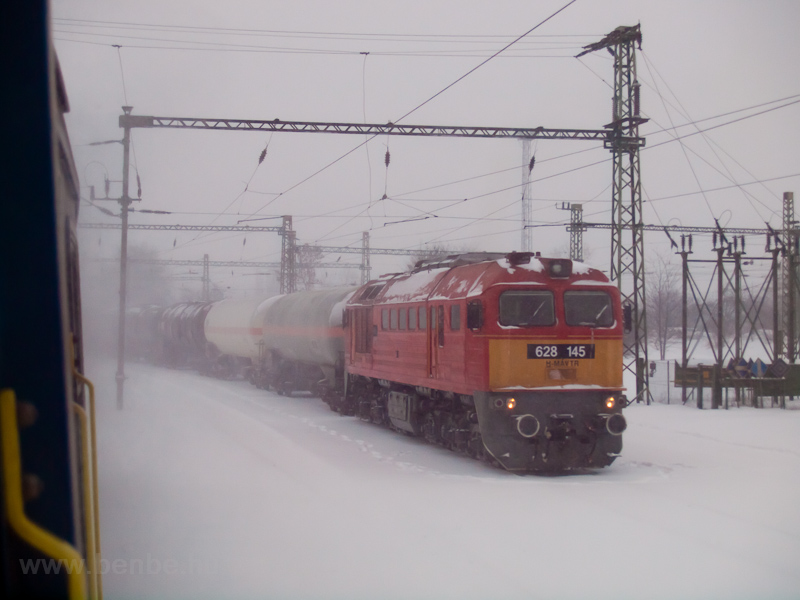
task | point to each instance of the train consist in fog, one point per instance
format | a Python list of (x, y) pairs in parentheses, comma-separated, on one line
[(511, 358)]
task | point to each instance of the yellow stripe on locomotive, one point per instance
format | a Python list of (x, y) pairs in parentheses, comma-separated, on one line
[(531, 363)]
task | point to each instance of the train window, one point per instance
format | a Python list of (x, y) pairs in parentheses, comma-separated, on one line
[(440, 325), (423, 318), (527, 308), (474, 315), (385, 318), (590, 308), (403, 318), (372, 291), (393, 314), (412, 318), (455, 317)]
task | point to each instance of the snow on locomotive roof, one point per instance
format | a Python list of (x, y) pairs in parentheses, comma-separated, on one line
[(413, 287), (467, 275), (534, 265)]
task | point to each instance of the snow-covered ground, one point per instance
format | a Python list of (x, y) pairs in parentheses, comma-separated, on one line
[(215, 489)]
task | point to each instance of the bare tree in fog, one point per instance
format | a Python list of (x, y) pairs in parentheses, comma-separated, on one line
[(663, 303), (433, 252), (307, 260)]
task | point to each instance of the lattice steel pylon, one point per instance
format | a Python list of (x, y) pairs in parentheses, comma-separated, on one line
[(366, 269), (627, 258), (789, 279), (288, 278), (576, 229)]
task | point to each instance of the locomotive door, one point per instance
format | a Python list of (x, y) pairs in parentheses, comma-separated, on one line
[(435, 339), (362, 335)]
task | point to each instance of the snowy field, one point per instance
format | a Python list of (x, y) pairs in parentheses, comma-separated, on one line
[(215, 489)]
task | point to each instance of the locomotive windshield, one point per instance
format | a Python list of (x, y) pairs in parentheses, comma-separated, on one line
[(592, 309), (526, 308)]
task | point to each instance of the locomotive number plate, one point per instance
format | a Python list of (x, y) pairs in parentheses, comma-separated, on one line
[(560, 350)]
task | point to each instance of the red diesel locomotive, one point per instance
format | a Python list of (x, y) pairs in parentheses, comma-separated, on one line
[(514, 358)]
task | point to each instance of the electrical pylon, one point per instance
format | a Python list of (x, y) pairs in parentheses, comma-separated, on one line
[(627, 257)]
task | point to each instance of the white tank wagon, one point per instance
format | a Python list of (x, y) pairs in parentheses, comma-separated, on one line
[(232, 337), (303, 340)]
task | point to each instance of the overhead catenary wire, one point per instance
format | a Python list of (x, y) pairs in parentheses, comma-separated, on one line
[(749, 197), (437, 94), (411, 200)]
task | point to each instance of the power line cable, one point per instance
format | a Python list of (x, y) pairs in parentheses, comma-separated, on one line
[(421, 104)]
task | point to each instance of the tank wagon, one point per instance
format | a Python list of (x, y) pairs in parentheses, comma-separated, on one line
[(301, 345)]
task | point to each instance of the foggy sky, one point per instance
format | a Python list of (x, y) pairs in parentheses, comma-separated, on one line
[(698, 60)]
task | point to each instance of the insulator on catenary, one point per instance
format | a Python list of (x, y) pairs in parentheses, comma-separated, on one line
[(530, 164), (387, 158), (263, 156)]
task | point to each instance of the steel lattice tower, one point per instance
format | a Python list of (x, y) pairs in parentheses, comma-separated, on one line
[(288, 279), (366, 269), (576, 229), (627, 256), (789, 279)]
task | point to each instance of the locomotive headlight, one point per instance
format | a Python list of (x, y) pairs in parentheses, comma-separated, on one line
[(611, 402), (511, 403), (560, 267)]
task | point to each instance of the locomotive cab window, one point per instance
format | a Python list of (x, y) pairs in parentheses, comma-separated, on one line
[(455, 317), (590, 309), (423, 321), (527, 308), (412, 318), (403, 318)]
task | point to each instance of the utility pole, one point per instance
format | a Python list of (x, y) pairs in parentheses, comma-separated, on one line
[(527, 168), (627, 258), (206, 279), (716, 392), (737, 292), (125, 202), (686, 250)]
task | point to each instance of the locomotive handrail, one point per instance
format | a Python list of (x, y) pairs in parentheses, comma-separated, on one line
[(95, 555), (37, 537), (88, 502)]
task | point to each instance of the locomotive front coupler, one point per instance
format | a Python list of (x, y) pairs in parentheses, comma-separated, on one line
[(560, 428)]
